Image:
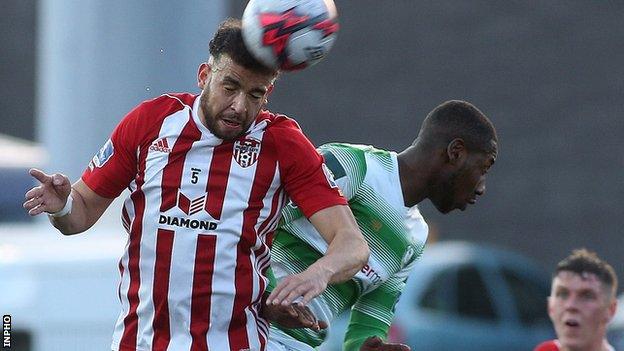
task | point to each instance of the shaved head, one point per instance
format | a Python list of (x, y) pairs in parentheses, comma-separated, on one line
[(458, 119)]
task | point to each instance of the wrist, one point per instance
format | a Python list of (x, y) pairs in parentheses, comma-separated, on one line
[(65, 210), (324, 269)]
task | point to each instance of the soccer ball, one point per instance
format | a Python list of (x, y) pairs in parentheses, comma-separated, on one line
[(290, 34)]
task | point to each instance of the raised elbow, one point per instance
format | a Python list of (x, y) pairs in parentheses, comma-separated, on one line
[(68, 231)]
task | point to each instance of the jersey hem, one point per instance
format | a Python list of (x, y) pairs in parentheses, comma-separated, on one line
[(118, 346)]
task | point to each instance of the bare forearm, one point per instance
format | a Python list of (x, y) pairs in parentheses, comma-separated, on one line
[(347, 252), (76, 221), (87, 208), (345, 256)]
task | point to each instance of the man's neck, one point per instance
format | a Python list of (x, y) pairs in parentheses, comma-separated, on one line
[(415, 169)]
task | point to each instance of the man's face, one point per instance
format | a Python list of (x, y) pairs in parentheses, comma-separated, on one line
[(231, 97), (464, 183), (580, 307)]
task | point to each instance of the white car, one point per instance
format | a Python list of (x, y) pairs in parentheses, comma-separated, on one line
[(60, 292)]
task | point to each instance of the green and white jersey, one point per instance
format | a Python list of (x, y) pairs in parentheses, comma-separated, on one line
[(396, 235)]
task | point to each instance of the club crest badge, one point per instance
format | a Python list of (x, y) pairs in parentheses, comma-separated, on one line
[(246, 151)]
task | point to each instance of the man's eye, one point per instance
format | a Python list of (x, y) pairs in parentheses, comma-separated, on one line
[(587, 296), (229, 88), (255, 96)]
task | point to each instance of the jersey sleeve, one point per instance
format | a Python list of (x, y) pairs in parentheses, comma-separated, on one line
[(305, 176), (373, 312), (271, 280), (113, 168), (347, 165), (550, 345)]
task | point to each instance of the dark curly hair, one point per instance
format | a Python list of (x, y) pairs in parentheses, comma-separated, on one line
[(229, 40)]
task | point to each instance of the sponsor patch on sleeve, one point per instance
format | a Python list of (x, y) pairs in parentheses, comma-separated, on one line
[(330, 176), (103, 155)]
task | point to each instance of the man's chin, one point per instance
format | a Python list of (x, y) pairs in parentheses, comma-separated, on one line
[(227, 135), (230, 137), (451, 208), (443, 209)]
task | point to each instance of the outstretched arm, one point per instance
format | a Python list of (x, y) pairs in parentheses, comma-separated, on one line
[(52, 195), (347, 253)]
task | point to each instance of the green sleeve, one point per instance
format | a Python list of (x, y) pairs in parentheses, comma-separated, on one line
[(347, 165), (272, 281), (372, 314)]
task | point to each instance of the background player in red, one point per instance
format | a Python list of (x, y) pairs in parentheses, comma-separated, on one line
[(208, 176), (581, 304)]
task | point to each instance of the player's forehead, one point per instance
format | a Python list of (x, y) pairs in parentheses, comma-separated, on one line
[(229, 71), (485, 159), (486, 153), (491, 154), (574, 281), (493, 150)]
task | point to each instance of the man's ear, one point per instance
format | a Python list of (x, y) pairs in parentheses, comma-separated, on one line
[(203, 72), (266, 96), (549, 308), (611, 310), (456, 151)]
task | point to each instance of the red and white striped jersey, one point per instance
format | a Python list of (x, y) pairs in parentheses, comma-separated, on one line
[(555, 345), (200, 219)]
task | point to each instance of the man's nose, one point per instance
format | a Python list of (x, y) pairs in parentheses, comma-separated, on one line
[(480, 188), (570, 303), (238, 104)]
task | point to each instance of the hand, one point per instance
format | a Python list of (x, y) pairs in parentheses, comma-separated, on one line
[(50, 196), (293, 316), (304, 286), (374, 343)]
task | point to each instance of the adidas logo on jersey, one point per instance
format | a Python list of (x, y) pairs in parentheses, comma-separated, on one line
[(160, 145)]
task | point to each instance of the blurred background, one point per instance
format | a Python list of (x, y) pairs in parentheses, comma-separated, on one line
[(548, 74)]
